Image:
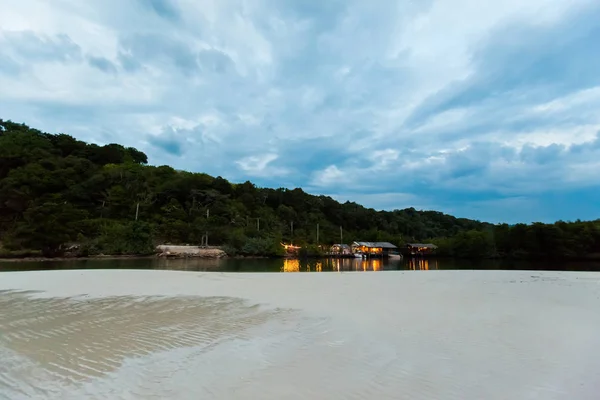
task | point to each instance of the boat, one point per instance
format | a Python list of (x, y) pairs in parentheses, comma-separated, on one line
[(394, 256), (358, 254)]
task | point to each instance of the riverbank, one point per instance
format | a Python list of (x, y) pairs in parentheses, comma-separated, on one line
[(115, 257), (67, 259), (169, 251), (437, 334)]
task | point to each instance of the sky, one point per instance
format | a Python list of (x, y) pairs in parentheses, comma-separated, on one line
[(484, 110)]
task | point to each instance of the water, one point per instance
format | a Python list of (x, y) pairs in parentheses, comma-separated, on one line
[(292, 265)]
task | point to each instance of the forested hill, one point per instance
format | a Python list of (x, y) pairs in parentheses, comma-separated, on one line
[(56, 190)]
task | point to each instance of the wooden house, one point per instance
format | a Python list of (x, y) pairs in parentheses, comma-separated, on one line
[(342, 249), (421, 248), (376, 249)]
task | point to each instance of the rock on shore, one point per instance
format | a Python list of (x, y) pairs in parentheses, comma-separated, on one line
[(189, 251)]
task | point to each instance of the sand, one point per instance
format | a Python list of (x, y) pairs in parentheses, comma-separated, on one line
[(121, 334)]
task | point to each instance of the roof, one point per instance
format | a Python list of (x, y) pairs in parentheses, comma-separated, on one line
[(383, 245), (426, 245), (343, 246)]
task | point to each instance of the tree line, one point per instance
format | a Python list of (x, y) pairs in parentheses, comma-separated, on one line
[(56, 190), (566, 240)]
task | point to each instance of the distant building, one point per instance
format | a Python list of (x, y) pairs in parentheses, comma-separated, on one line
[(290, 249), (341, 249), (421, 248), (374, 248)]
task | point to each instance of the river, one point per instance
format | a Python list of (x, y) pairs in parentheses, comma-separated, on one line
[(293, 265)]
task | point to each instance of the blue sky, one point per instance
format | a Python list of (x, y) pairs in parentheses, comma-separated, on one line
[(486, 110)]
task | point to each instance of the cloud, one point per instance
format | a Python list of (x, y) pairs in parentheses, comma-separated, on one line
[(102, 64), (168, 144), (260, 166), (488, 111), (28, 46), (164, 8), (386, 201), (525, 63), (331, 176)]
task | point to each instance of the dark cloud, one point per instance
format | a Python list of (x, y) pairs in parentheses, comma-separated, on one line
[(309, 85), (36, 47), (103, 64), (543, 154), (164, 8), (592, 145), (215, 61), (158, 48), (9, 66), (526, 64), (128, 62), (167, 143)]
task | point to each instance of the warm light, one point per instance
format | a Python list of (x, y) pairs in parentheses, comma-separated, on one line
[(376, 264), (290, 265), (422, 265), (370, 250), (290, 246)]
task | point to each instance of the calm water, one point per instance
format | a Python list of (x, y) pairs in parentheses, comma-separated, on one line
[(291, 265)]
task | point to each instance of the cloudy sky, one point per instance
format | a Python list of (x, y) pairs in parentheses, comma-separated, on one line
[(481, 109)]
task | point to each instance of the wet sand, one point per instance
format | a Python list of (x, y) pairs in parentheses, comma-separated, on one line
[(124, 334)]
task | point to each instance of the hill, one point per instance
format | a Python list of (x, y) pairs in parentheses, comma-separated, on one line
[(56, 190)]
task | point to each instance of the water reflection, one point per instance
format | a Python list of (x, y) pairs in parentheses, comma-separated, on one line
[(336, 264), (317, 267), (421, 264), (291, 265), (354, 264), (190, 264)]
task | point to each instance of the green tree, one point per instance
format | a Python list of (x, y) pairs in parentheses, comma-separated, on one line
[(47, 226), (55, 189)]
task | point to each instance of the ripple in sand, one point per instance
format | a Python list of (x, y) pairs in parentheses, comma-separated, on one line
[(180, 348), (69, 341), (393, 337)]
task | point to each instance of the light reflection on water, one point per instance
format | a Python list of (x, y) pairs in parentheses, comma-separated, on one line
[(337, 264), (422, 264), (290, 265), (295, 265), (223, 265)]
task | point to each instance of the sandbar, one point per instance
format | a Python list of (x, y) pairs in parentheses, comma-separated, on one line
[(152, 334)]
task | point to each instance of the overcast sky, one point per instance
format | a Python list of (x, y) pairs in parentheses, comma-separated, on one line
[(481, 109)]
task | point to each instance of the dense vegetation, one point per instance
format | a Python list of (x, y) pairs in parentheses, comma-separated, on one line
[(56, 191), (580, 239)]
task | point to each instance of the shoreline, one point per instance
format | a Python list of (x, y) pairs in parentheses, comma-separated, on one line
[(121, 257), (67, 259), (253, 257)]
